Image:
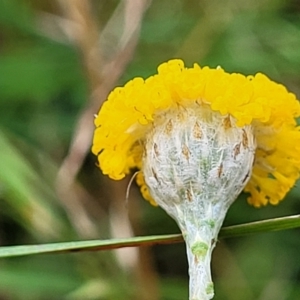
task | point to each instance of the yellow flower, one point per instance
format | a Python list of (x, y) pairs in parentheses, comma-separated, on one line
[(129, 114), (199, 136)]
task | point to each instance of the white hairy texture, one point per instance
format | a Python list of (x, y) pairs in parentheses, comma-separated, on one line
[(196, 162)]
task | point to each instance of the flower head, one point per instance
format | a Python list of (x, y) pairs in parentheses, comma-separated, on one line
[(130, 113), (200, 136)]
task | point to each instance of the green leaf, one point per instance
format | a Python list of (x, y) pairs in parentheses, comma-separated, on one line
[(269, 225), (92, 245), (27, 197), (96, 245)]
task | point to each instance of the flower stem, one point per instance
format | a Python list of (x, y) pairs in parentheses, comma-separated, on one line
[(200, 230), (199, 258)]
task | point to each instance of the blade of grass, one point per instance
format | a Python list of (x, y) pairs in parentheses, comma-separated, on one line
[(276, 224), (27, 196), (91, 245)]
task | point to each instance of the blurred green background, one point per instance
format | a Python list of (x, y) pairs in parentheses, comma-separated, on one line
[(58, 61)]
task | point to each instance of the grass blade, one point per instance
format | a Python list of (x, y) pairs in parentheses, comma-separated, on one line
[(97, 245)]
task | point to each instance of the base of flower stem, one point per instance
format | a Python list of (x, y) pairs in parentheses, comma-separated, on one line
[(199, 258)]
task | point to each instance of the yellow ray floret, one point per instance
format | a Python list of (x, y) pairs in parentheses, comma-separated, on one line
[(128, 113)]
